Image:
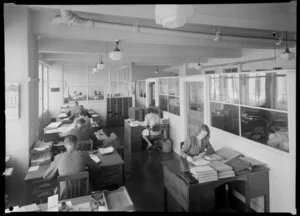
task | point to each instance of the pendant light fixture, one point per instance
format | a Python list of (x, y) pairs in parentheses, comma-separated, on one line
[(198, 66), (95, 70), (100, 65), (172, 15), (280, 40), (116, 55), (156, 70), (286, 54)]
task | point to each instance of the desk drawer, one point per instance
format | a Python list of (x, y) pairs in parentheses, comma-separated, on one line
[(177, 188)]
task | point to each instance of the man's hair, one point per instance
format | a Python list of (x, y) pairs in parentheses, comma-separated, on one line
[(82, 112), (152, 109), (71, 139), (81, 121)]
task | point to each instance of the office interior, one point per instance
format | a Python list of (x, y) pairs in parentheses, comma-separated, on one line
[(230, 66)]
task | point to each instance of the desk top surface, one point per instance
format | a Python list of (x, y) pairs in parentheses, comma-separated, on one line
[(180, 165), (106, 160)]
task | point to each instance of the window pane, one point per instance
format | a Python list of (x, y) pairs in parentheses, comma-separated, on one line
[(163, 102), (225, 117), (267, 127), (173, 87), (40, 89), (96, 91), (78, 93), (224, 88), (163, 86), (45, 91), (266, 90), (174, 105)]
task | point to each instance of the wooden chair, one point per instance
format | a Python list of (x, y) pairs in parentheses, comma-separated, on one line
[(86, 145), (43, 189), (76, 184)]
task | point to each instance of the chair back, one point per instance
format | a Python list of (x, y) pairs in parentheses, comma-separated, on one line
[(76, 185), (86, 145)]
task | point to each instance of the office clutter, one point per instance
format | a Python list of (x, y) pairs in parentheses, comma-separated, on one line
[(224, 171), (111, 140), (40, 153), (204, 173)]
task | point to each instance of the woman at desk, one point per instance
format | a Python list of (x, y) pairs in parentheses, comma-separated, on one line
[(70, 162), (151, 122), (198, 146)]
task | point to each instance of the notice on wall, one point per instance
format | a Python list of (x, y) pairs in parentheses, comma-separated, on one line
[(12, 100)]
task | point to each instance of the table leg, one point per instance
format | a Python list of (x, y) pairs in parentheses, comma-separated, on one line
[(165, 199), (266, 203), (247, 196)]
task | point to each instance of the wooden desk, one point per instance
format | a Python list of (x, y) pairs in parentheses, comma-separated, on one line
[(112, 172), (133, 137), (200, 197), (86, 199)]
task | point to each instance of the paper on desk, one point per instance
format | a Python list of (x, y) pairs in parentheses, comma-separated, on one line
[(15, 209), (30, 208), (8, 171), (199, 162), (95, 158), (33, 168), (106, 150), (83, 207), (102, 208), (53, 201)]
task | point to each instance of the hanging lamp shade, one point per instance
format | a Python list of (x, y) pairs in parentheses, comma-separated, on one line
[(198, 66), (287, 54), (173, 16), (116, 54), (100, 65)]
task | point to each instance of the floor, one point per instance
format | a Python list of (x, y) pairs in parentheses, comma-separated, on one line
[(145, 181)]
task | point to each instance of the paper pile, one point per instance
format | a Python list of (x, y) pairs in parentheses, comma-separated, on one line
[(204, 173), (199, 162), (106, 150), (95, 158), (53, 125), (30, 208), (224, 171), (213, 157)]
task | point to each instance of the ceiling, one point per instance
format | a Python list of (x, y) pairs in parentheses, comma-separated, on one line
[(242, 26)]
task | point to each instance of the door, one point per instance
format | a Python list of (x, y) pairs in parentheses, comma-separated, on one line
[(152, 94), (195, 106)]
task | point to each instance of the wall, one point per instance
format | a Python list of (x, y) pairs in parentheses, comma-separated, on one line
[(19, 65), (143, 72)]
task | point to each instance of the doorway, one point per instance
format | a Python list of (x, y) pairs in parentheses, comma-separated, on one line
[(151, 93)]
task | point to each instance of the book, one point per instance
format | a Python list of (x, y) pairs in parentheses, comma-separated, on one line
[(219, 166), (228, 153), (213, 157), (199, 162), (203, 168)]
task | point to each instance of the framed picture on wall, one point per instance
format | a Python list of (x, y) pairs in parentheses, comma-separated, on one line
[(12, 100), (77, 93), (96, 93)]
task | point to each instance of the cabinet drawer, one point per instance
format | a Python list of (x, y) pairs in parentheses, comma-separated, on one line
[(111, 170)]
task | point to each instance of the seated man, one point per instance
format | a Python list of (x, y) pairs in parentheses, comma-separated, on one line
[(152, 122), (70, 162), (197, 146), (81, 107), (84, 133), (74, 111), (82, 115)]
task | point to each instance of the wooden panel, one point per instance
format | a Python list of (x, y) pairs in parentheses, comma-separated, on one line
[(177, 188)]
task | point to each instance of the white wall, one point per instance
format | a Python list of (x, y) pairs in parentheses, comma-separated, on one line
[(20, 64)]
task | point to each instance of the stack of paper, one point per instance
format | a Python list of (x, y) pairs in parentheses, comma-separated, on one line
[(15, 209), (213, 157), (30, 208), (8, 171), (224, 171), (42, 146), (53, 125), (199, 162), (106, 150), (228, 154), (62, 115), (95, 115), (204, 173)]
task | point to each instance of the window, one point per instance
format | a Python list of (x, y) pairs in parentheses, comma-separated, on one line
[(43, 88), (259, 110), (140, 96), (230, 70), (169, 95), (120, 84)]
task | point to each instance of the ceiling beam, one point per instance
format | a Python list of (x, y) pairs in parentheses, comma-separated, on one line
[(96, 48)]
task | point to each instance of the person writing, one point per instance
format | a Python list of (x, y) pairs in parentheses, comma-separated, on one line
[(70, 162), (84, 133), (152, 124), (196, 147), (82, 115)]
